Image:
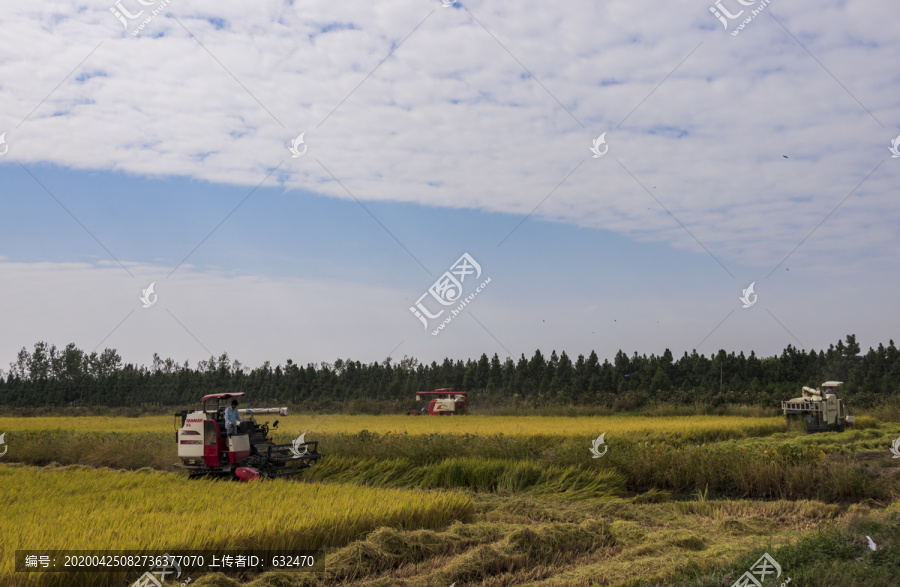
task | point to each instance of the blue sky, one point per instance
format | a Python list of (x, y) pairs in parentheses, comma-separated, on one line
[(432, 133)]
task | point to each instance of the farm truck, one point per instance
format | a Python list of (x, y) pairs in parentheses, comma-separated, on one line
[(444, 402), (207, 450), (820, 409)]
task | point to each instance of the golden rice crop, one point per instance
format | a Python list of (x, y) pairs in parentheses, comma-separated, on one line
[(530, 425), (694, 426), (83, 508), (90, 424)]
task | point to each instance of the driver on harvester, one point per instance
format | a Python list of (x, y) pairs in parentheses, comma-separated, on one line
[(232, 417)]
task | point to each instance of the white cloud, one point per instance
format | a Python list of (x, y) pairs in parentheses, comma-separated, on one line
[(452, 119)]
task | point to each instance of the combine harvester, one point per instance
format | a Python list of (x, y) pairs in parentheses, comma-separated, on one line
[(446, 402), (207, 450), (820, 409)]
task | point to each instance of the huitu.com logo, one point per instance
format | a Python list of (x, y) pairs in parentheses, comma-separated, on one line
[(725, 16), (759, 573), (3, 146), (895, 447), (595, 446), (595, 149), (298, 442), (128, 18), (746, 296), (895, 147), (148, 301), (295, 146), (448, 291)]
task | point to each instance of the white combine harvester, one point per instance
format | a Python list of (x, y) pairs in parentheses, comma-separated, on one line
[(820, 409)]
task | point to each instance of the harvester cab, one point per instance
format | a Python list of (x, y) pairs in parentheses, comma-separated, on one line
[(819, 408), (207, 450), (443, 402)]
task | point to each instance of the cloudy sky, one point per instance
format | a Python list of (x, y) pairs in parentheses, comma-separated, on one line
[(150, 142)]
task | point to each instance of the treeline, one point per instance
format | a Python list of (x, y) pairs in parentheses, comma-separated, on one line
[(48, 376)]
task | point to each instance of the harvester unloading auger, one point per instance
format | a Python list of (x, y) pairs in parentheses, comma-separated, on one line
[(207, 450)]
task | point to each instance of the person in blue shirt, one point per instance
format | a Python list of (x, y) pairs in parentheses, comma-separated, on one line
[(232, 417)]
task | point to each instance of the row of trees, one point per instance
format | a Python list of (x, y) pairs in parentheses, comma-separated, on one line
[(50, 376)]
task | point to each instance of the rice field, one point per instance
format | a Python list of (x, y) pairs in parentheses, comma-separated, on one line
[(622, 426), (85, 508), (480, 500), (90, 424)]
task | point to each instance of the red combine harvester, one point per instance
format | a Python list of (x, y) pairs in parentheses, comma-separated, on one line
[(444, 402), (207, 450)]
